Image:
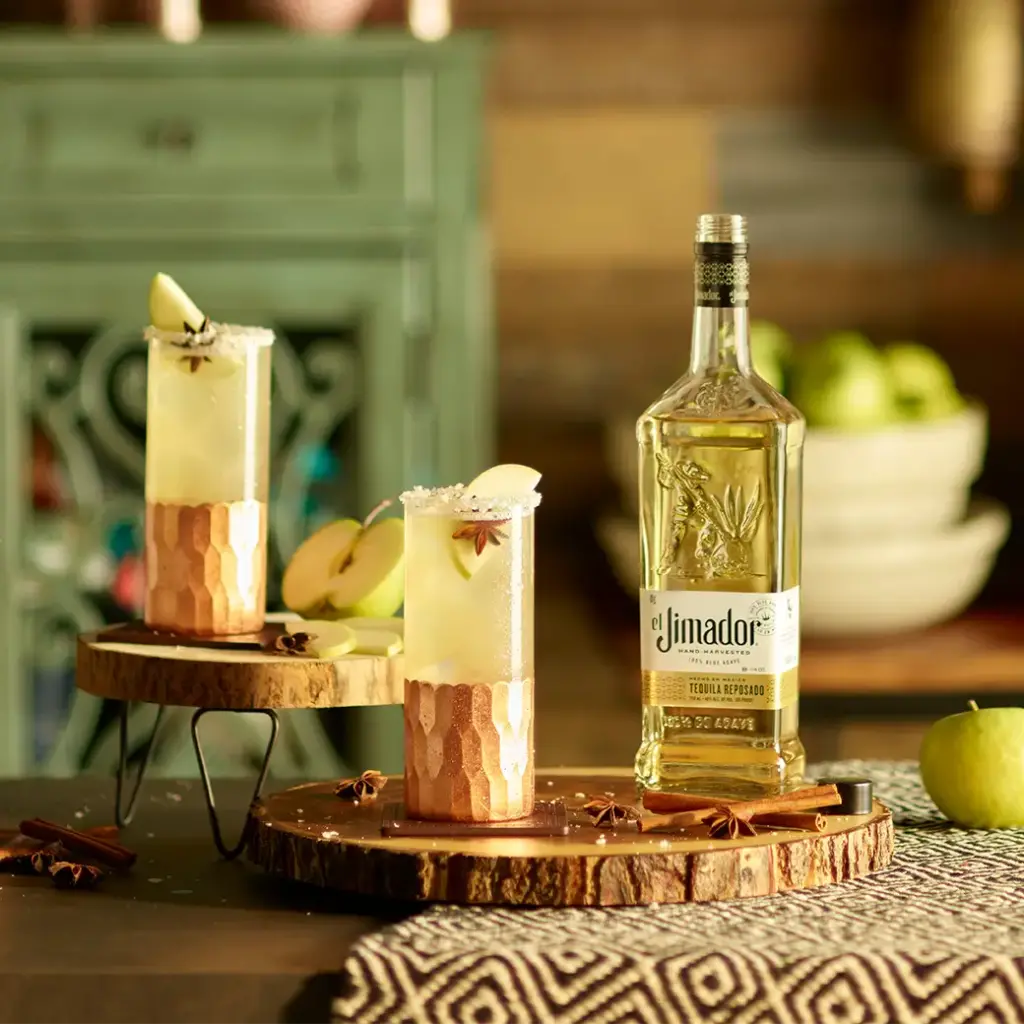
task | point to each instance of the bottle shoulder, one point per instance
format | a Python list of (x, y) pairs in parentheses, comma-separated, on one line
[(724, 395)]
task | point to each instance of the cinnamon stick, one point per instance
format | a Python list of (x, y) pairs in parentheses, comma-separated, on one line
[(104, 851), (674, 803), (803, 820), (808, 798)]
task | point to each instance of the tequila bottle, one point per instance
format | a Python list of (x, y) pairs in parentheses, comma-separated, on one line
[(720, 492)]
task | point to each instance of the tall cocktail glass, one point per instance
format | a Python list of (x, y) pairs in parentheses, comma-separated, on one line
[(469, 655), (207, 465)]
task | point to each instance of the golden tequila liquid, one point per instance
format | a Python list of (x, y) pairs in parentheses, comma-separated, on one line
[(720, 457), (207, 467)]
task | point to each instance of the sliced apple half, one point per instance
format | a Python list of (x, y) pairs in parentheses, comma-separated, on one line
[(381, 642), (170, 309), (314, 566), (371, 583), (330, 639), (394, 624), (476, 542), (505, 480)]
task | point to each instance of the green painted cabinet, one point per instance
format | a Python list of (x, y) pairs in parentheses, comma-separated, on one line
[(329, 189)]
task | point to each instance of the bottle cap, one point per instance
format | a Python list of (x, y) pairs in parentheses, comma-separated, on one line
[(857, 795)]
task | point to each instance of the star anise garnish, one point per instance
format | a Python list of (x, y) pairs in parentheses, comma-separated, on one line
[(68, 875), (202, 327), (194, 362), (607, 812), (294, 643), (729, 825), (481, 532), (364, 788)]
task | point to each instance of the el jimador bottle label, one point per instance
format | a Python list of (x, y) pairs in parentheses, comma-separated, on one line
[(720, 650)]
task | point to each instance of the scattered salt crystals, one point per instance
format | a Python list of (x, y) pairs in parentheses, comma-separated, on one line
[(329, 834), (83, 812), (551, 782), (609, 793), (300, 821), (580, 796), (151, 835), (665, 844), (600, 840), (181, 892), (155, 881), (174, 797), (299, 810)]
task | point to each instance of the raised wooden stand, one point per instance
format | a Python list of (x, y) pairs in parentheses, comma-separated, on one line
[(202, 677), (212, 680), (310, 835)]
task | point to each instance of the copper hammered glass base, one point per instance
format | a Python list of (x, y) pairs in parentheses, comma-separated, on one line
[(206, 567), (469, 750)]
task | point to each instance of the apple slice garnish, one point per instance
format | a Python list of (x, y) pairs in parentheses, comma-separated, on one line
[(329, 639), (394, 624), (506, 480), (476, 540), (170, 309), (381, 642)]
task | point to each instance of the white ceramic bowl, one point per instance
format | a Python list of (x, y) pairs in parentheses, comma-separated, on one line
[(869, 587), (875, 586), (912, 477)]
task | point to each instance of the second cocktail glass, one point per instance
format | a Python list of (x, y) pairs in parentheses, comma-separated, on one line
[(207, 467), (469, 686)]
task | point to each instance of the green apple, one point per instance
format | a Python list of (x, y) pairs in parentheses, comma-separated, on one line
[(506, 480), (844, 383), (328, 639), (349, 569), (922, 381), (371, 583), (382, 642), (770, 352), (972, 766), (170, 309), (394, 624), (313, 567)]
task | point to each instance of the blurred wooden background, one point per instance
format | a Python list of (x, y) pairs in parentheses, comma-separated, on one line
[(613, 124)]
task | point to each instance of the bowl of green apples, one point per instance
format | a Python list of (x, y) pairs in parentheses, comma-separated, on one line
[(892, 538)]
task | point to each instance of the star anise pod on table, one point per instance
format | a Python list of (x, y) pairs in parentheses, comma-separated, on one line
[(68, 875), (481, 532), (728, 825), (608, 813), (364, 788), (293, 643)]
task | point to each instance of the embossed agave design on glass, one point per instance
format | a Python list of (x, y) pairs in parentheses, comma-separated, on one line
[(725, 527)]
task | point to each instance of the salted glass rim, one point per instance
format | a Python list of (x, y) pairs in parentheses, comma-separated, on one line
[(457, 500), (234, 335)]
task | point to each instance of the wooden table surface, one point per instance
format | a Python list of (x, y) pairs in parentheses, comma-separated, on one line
[(183, 936)]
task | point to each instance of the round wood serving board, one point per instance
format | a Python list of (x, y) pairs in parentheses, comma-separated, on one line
[(203, 677), (311, 835)]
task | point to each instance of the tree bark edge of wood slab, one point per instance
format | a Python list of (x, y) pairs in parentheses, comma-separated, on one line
[(560, 872)]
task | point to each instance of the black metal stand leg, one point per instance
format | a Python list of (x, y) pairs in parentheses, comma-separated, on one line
[(204, 774), (123, 816)]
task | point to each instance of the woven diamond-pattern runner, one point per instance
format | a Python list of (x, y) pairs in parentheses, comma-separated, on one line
[(939, 936)]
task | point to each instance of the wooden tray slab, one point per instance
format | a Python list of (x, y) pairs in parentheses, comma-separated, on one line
[(310, 835), (228, 679)]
